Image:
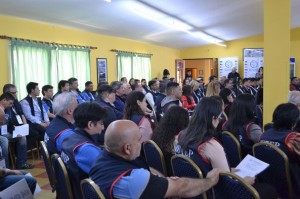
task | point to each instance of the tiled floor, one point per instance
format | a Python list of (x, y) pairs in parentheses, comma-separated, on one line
[(40, 174)]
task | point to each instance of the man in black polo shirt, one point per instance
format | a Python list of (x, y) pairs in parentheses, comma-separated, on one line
[(120, 172)]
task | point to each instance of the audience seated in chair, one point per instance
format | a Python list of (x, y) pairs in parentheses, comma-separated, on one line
[(12, 119), (80, 150), (63, 124), (135, 110), (241, 122), (197, 141), (119, 171), (34, 111), (285, 117), (175, 120)]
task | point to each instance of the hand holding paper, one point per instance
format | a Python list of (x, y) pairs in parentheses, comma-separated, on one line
[(250, 166), (22, 130)]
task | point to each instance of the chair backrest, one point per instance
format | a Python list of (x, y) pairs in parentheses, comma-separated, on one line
[(278, 173), (183, 166), (232, 148), (63, 185), (48, 164), (154, 156), (90, 190), (233, 187)]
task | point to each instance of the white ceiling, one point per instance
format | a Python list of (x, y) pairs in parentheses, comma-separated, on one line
[(224, 19)]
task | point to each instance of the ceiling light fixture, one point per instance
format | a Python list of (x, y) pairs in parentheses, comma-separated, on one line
[(109, 1), (169, 21)]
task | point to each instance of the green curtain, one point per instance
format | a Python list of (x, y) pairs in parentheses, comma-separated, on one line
[(132, 65), (46, 64)]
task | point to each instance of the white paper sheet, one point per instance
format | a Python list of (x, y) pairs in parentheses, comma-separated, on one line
[(22, 130), (250, 166), (37, 188)]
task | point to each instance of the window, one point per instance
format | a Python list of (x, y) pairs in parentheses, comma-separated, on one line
[(46, 64), (136, 66)]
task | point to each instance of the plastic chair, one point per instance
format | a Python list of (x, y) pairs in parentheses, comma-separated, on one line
[(233, 187), (183, 166), (278, 173), (154, 156), (48, 164), (90, 190), (63, 185), (232, 148)]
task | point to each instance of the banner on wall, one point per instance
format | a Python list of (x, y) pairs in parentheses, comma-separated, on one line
[(253, 60), (226, 64)]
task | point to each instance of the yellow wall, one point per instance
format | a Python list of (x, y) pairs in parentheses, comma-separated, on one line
[(235, 48), (163, 57)]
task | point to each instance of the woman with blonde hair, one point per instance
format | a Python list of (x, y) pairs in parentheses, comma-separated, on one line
[(213, 89)]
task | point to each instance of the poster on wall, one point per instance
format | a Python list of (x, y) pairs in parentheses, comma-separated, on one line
[(253, 60), (226, 64)]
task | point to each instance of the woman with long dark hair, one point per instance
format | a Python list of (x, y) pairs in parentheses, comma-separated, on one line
[(197, 141), (175, 120), (187, 98), (241, 122), (227, 98), (135, 110)]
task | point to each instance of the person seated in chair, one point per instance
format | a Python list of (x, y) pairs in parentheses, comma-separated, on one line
[(9, 177), (80, 150), (12, 120), (121, 173), (34, 111), (282, 135), (63, 124)]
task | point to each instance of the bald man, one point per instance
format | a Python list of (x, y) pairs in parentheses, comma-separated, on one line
[(121, 173)]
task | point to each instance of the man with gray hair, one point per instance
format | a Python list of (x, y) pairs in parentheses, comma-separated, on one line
[(62, 125), (119, 89)]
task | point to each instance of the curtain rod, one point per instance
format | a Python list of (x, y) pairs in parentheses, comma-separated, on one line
[(122, 51), (22, 39)]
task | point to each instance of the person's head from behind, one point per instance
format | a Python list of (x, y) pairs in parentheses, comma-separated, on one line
[(33, 89), (47, 91), (241, 112), (174, 90), (10, 88), (6, 100), (63, 86), (175, 120), (162, 87), (89, 116), (226, 96), (213, 88), (203, 123), (187, 91), (118, 87), (73, 83), (135, 104), (195, 85), (89, 86), (64, 105), (294, 98), (285, 116), (106, 93), (123, 138)]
